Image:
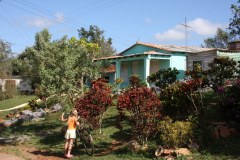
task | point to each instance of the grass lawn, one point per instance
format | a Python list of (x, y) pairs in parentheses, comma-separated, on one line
[(18, 100), (47, 135)]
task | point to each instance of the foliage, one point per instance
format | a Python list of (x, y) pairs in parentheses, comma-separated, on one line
[(84, 52), (95, 102), (175, 134), (135, 81), (220, 40), (163, 77), (221, 69), (96, 35), (235, 21), (27, 64), (229, 99), (5, 59), (144, 108), (60, 66), (175, 103), (184, 98)]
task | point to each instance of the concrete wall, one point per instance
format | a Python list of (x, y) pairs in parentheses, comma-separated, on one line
[(233, 55), (21, 85)]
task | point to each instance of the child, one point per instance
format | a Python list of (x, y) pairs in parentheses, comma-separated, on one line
[(70, 135)]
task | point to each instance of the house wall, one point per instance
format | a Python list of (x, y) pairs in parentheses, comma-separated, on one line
[(178, 61), (21, 85), (204, 57), (141, 49), (129, 68), (157, 64), (233, 55)]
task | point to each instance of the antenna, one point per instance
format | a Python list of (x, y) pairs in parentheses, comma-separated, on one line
[(186, 33)]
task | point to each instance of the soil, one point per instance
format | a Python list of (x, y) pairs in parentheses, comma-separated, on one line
[(27, 153), (32, 153)]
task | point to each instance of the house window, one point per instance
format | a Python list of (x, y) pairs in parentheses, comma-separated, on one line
[(197, 63), (107, 78)]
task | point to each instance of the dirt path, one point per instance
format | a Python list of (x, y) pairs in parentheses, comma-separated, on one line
[(26, 153), (4, 156)]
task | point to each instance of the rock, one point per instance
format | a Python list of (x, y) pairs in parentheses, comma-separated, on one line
[(26, 112), (145, 147), (167, 152), (40, 113), (134, 146), (10, 122), (183, 151), (159, 151), (57, 107), (26, 118), (224, 131), (15, 140), (169, 158), (193, 146), (38, 119), (21, 139)]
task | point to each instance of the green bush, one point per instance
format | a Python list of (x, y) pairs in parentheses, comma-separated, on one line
[(175, 134)]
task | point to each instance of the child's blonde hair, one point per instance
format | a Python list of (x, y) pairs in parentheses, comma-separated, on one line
[(74, 112)]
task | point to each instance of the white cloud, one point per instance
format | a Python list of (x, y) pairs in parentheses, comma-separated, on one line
[(59, 17), (199, 26), (203, 26), (44, 22), (40, 22), (169, 35)]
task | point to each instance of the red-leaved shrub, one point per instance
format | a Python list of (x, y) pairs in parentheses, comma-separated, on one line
[(95, 102), (144, 107)]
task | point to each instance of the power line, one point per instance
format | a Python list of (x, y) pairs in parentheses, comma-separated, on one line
[(21, 29), (86, 7), (97, 8), (47, 12), (50, 13), (36, 14)]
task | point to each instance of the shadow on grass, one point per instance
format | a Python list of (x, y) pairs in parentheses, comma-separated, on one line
[(109, 122), (224, 147), (52, 138), (47, 154)]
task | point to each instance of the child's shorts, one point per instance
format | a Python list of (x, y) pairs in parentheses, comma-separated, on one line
[(70, 134)]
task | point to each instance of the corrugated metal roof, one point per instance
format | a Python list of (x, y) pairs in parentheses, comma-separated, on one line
[(175, 48), (169, 48), (133, 55)]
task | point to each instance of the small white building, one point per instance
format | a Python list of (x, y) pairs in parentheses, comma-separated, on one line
[(22, 86)]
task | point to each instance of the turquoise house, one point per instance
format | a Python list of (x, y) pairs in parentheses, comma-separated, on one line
[(144, 59)]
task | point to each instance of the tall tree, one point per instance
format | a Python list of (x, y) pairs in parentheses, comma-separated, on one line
[(5, 59), (96, 35), (220, 40), (28, 62), (234, 25), (59, 66)]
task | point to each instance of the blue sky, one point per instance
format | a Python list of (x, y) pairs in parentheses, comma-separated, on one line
[(125, 21)]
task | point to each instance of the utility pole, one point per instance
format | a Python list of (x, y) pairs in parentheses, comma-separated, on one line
[(186, 33)]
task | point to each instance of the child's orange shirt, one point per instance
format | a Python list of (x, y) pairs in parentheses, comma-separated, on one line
[(72, 123)]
